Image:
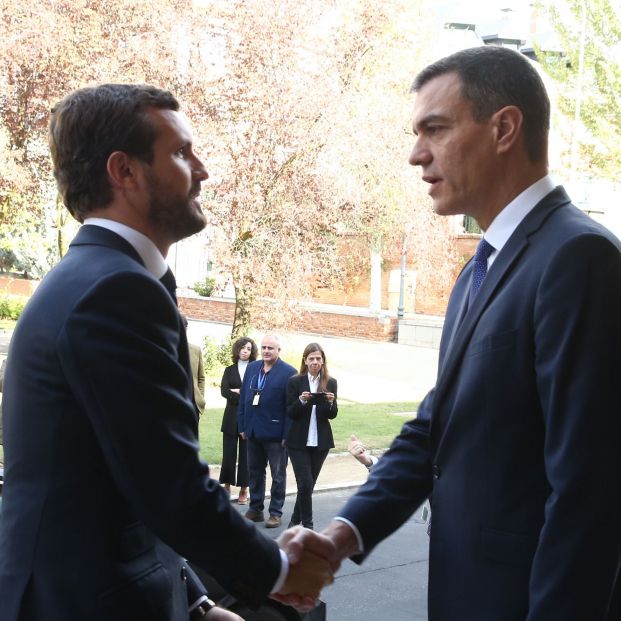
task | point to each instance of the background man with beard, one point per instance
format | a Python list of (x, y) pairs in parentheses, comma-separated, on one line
[(104, 491)]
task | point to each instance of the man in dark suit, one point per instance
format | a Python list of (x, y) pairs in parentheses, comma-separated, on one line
[(105, 494), (262, 420), (518, 444)]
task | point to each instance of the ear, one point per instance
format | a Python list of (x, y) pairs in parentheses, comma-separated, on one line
[(508, 128), (122, 170)]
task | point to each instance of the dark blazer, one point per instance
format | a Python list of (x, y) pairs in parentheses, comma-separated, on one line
[(268, 420), (300, 414), (104, 500), (230, 379), (519, 442)]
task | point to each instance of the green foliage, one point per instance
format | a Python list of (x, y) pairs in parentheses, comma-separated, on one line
[(27, 245), (11, 306), (597, 87), (216, 356), (205, 287)]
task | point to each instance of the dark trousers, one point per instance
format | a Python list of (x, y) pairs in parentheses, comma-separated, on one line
[(229, 459), (307, 465), (260, 453)]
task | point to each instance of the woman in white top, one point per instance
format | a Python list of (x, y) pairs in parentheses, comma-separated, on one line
[(311, 403), (244, 351)]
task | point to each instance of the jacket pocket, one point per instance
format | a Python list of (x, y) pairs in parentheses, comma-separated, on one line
[(493, 342), (146, 594)]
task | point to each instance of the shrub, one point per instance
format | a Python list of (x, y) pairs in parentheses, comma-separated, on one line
[(216, 356), (205, 287), (11, 306)]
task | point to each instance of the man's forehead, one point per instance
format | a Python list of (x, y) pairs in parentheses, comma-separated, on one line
[(438, 97), (171, 124)]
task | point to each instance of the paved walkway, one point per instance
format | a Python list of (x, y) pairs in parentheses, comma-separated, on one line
[(340, 470), (367, 371)]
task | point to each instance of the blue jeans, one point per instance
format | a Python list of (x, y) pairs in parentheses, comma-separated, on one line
[(260, 453)]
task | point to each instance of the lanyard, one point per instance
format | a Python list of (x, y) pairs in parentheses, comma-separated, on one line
[(261, 380)]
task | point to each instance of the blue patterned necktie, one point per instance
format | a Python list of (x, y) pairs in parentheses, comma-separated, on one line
[(484, 249)]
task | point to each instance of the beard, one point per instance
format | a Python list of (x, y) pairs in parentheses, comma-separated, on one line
[(175, 217)]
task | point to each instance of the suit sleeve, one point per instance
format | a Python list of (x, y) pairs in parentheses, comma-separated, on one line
[(225, 387), (398, 484), (295, 408), (578, 370), (134, 389)]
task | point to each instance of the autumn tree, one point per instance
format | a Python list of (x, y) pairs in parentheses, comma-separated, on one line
[(368, 139), (48, 49), (275, 236)]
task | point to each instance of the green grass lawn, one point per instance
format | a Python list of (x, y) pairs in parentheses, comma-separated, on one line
[(375, 424)]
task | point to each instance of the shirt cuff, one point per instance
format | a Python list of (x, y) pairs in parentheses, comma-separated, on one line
[(284, 572), (354, 528), (201, 600)]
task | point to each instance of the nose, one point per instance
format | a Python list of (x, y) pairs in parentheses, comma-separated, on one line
[(420, 155), (200, 172)]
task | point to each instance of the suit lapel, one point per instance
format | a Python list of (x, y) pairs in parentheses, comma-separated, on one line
[(100, 236), (503, 264), (304, 383)]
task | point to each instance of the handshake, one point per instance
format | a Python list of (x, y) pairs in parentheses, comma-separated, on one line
[(314, 558)]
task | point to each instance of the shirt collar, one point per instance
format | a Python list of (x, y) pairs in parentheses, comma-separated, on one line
[(505, 223), (150, 255)]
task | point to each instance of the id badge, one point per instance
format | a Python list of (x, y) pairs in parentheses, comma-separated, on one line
[(255, 399)]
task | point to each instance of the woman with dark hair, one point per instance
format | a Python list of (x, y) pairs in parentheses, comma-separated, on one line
[(311, 403), (244, 351)]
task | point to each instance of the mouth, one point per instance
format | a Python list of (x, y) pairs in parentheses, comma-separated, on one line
[(432, 181)]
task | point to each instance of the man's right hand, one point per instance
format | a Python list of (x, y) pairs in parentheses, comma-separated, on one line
[(311, 567)]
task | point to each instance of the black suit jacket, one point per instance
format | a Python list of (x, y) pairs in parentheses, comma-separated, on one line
[(104, 489), (518, 444), (230, 379), (300, 414)]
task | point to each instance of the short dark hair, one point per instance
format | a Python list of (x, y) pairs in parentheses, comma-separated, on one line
[(241, 342), (90, 124), (493, 77)]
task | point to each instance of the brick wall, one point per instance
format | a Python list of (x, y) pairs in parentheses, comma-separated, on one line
[(17, 286), (316, 322), (208, 309)]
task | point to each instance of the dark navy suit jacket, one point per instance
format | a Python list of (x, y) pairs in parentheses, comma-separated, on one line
[(268, 420), (519, 443), (104, 489)]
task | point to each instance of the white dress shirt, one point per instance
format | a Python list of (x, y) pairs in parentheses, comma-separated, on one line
[(312, 439), (505, 223)]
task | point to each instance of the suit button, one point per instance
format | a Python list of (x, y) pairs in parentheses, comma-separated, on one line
[(435, 470), (184, 575)]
